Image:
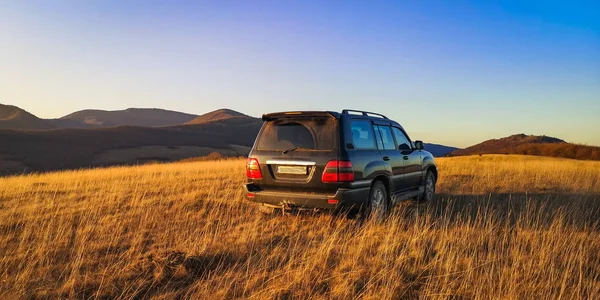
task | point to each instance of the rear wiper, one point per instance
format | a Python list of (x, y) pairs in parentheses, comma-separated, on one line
[(289, 150)]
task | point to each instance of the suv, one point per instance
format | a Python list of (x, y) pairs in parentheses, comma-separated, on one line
[(322, 160)]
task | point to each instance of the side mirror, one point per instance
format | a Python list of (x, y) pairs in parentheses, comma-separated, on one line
[(419, 145)]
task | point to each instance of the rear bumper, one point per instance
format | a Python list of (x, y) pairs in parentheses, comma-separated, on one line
[(345, 198)]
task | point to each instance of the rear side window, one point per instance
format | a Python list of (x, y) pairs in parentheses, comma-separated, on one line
[(301, 134), (401, 139), (362, 134), (387, 141)]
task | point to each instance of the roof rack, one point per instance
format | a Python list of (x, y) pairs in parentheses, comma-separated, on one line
[(364, 113)]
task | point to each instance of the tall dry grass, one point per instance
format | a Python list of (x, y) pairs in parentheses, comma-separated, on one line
[(502, 227)]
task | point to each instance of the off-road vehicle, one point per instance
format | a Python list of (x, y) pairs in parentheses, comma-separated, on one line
[(323, 160)]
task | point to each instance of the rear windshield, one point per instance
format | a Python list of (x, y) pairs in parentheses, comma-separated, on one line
[(299, 134)]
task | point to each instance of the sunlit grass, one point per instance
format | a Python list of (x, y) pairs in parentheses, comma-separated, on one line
[(502, 227)]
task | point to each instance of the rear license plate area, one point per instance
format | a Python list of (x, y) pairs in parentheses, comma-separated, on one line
[(295, 170)]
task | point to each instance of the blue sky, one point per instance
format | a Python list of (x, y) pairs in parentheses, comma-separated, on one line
[(452, 72)]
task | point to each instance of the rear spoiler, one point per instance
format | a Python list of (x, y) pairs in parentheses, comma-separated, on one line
[(295, 114)]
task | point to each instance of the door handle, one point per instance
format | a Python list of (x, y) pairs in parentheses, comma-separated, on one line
[(405, 157), (386, 158)]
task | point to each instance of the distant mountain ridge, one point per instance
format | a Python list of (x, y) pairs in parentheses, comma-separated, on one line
[(532, 145), (15, 118), (72, 148), (439, 150), (146, 117), (90, 138)]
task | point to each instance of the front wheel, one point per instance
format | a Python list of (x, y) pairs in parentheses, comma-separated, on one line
[(429, 188)]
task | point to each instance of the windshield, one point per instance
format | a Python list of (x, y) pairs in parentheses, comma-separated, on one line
[(299, 134)]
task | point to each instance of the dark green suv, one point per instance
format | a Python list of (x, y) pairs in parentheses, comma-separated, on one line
[(352, 160)]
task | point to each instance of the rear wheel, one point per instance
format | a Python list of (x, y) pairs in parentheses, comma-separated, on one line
[(377, 207), (429, 188)]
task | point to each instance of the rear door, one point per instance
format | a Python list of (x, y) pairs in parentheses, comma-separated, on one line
[(361, 149), (293, 151), (391, 157)]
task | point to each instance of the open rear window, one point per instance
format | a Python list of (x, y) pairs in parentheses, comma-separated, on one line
[(301, 134)]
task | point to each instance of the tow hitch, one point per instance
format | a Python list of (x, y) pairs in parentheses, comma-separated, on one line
[(288, 208)]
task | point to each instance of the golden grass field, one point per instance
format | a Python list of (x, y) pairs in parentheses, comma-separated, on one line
[(501, 227)]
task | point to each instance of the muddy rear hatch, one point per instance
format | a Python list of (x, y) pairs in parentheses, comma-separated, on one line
[(293, 150)]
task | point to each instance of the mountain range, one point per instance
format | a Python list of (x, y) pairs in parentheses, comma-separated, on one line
[(145, 117), (91, 138), (12, 117)]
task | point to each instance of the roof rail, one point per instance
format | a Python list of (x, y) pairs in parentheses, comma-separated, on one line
[(364, 113)]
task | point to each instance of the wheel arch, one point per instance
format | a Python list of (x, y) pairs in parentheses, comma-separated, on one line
[(386, 182), (383, 178), (433, 169)]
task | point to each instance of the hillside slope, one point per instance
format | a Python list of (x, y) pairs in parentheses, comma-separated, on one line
[(12, 117), (82, 148), (532, 145), (149, 117), (216, 115)]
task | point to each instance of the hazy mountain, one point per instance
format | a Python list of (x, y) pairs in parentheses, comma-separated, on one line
[(148, 117), (220, 114), (532, 145), (439, 150)]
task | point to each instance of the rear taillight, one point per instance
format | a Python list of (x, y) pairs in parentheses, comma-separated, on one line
[(253, 169), (338, 171)]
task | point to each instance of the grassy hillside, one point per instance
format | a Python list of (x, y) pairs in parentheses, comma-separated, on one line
[(84, 148), (532, 145), (12, 117), (216, 115), (502, 227), (15, 118)]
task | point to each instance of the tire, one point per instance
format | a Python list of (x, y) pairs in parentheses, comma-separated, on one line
[(378, 206), (429, 188)]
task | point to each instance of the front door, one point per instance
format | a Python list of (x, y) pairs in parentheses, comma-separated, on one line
[(413, 172), (412, 164)]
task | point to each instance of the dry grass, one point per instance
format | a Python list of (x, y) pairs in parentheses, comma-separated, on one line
[(502, 227)]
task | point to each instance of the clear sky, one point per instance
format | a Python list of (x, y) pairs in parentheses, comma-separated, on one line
[(452, 72)]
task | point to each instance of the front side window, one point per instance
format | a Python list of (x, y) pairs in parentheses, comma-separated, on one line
[(362, 134), (401, 140), (387, 141)]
